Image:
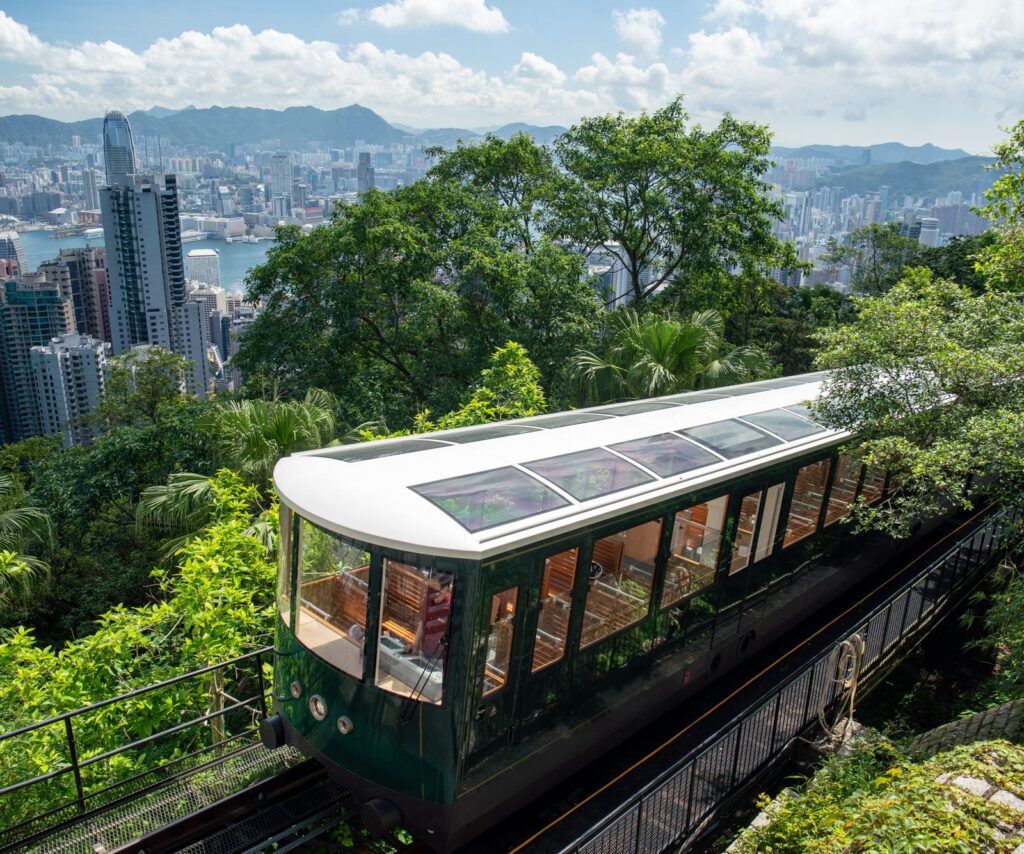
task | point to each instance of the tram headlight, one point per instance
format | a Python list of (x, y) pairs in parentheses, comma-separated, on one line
[(318, 707), (296, 689), (345, 725)]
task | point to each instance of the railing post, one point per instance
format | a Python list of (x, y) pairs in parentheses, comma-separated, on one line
[(261, 685), (775, 721), (73, 752), (639, 825)]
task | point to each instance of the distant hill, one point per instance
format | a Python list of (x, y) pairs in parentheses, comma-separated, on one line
[(450, 137), (966, 174), (886, 152), (217, 126)]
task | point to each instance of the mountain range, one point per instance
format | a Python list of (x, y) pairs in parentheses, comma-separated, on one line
[(218, 126)]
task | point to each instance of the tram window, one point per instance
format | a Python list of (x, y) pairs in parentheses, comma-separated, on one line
[(844, 489), (808, 496), (333, 583), (589, 474), (555, 609), (693, 557), (620, 579), (499, 639), (769, 521), (414, 619), (284, 568), (742, 547), (874, 483)]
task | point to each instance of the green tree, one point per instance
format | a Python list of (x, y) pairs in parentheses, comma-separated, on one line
[(958, 259), (877, 255), (648, 355), (139, 383), (665, 199), (397, 304), (20, 526), (929, 379), (1003, 262)]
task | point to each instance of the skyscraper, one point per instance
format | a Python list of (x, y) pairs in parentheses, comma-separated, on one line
[(364, 173), (32, 311), (118, 148), (90, 191), (12, 247), (210, 299), (280, 175), (204, 266), (68, 376)]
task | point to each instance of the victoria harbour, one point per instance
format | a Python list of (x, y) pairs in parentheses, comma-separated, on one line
[(236, 258)]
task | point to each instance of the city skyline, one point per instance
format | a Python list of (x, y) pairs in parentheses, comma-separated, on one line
[(831, 72)]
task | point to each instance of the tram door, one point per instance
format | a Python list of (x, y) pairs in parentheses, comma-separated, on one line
[(499, 650)]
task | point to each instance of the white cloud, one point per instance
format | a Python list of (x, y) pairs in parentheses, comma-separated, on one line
[(640, 30), (473, 15), (729, 11), (533, 67), (348, 17)]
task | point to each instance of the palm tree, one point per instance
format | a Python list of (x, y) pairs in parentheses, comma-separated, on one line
[(19, 525), (648, 356), (250, 436)]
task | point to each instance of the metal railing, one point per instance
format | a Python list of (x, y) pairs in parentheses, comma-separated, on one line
[(680, 801), (89, 759)]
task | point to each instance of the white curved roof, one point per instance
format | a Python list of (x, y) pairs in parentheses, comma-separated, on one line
[(471, 494)]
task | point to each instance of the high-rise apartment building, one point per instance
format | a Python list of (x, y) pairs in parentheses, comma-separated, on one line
[(68, 374), (90, 189), (11, 247), (81, 275), (118, 148), (204, 266), (32, 311)]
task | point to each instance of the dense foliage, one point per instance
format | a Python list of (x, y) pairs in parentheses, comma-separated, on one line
[(877, 799)]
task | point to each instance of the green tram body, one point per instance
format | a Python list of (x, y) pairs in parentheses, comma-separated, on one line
[(448, 771)]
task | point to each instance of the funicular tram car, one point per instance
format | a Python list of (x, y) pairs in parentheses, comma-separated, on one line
[(468, 616)]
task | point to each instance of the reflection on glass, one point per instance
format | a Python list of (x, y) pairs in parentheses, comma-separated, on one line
[(620, 577), (555, 609), (499, 639), (844, 489), (414, 612), (589, 474), (808, 496), (284, 567), (742, 547), (488, 498), (696, 539), (769, 521), (666, 454), (731, 438), (785, 424), (333, 581), (874, 484)]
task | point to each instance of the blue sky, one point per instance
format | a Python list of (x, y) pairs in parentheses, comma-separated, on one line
[(832, 71)]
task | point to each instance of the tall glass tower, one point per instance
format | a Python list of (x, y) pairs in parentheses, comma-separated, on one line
[(118, 148)]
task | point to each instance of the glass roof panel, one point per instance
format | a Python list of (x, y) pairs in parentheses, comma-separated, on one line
[(588, 474), (666, 454), (493, 431), (695, 397), (731, 438), (635, 408), (785, 424), (374, 450), (564, 419), (488, 498), (800, 409)]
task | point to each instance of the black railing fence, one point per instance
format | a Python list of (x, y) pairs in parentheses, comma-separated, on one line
[(675, 805), (93, 758)]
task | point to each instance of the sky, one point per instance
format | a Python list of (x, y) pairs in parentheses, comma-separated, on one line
[(855, 72)]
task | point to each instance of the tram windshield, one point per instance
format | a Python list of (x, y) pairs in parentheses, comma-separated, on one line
[(414, 622)]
